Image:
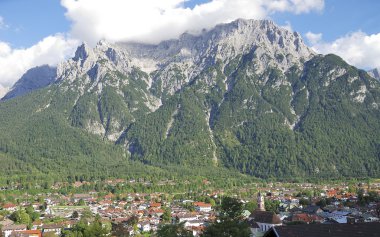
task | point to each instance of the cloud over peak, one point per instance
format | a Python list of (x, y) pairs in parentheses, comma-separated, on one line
[(151, 21), (51, 50), (148, 21)]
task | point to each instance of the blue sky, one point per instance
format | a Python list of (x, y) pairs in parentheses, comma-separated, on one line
[(338, 18), (35, 32), (28, 21)]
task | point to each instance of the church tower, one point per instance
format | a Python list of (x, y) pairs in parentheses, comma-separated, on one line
[(260, 202)]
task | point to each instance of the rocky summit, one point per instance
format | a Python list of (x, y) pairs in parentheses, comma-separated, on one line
[(248, 96), (375, 73)]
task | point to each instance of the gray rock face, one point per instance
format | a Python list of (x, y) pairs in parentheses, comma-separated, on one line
[(270, 45), (33, 79), (156, 72), (188, 55), (163, 69), (375, 73)]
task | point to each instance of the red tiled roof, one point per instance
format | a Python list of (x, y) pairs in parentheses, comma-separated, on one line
[(105, 202), (109, 196), (198, 228), (265, 217), (202, 204), (306, 218), (155, 204), (332, 193), (9, 205), (25, 233)]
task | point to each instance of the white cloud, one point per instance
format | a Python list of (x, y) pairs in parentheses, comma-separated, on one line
[(358, 48), (14, 62), (149, 21), (313, 38), (3, 25), (152, 21), (295, 6), (5, 49), (3, 91), (287, 26)]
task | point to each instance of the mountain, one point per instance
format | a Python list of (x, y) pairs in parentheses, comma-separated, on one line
[(35, 78), (247, 97), (375, 73)]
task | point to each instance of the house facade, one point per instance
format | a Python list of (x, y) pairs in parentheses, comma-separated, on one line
[(7, 230), (202, 207)]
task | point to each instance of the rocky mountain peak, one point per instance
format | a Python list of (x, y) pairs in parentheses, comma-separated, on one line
[(271, 45), (375, 73), (82, 52), (241, 36), (268, 45)]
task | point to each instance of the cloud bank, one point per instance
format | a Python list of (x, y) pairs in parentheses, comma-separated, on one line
[(3, 91), (357, 48), (14, 62), (151, 21)]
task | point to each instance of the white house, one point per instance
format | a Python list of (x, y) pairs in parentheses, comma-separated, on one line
[(186, 217), (10, 207), (144, 226), (7, 230), (202, 207), (55, 228), (194, 223)]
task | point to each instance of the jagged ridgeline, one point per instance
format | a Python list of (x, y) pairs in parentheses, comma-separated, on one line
[(248, 96)]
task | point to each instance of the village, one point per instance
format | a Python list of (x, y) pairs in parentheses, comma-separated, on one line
[(141, 214)]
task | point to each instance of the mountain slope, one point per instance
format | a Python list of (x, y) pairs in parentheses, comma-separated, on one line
[(33, 79), (248, 96)]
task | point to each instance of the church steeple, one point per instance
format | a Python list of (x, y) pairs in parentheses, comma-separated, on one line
[(260, 202)]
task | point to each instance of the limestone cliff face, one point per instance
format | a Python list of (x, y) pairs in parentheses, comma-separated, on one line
[(375, 73), (162, 70)]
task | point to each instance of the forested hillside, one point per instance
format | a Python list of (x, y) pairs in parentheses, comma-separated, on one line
[(246, 98)]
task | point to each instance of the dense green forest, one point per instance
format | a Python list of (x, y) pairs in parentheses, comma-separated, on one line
[(331, 134)]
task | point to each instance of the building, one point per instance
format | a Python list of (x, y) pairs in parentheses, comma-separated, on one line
[(307, 218), (260, 202), (265, 220), (7, 230), (194, 223), (26, 233), (260, 220), (186, 217), (334, 230), (83, 196), (10, 207), (155, 205), (312, 209), (202, 207), (53, 228), (144, 226)]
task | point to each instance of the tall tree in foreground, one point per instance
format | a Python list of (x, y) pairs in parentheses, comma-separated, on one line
[(174, 230), (231, 223)]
